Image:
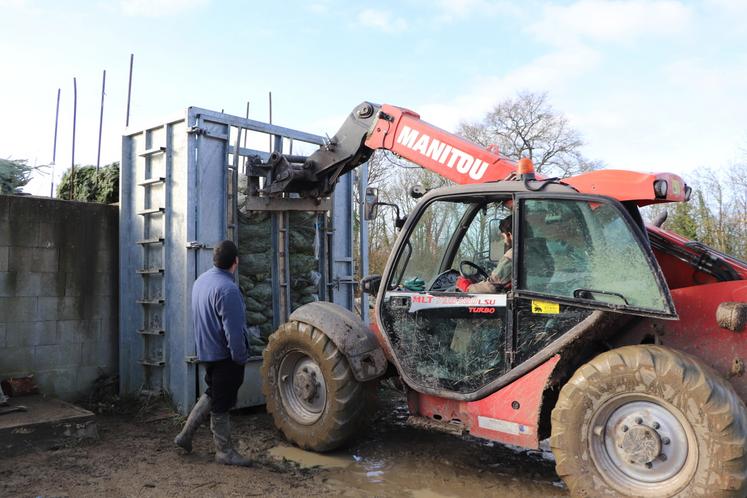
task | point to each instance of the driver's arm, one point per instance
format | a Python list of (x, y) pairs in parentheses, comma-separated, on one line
[(501, 274), (499, 277)]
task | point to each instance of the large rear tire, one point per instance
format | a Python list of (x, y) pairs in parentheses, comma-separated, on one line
[(310, 389), (649, 421)]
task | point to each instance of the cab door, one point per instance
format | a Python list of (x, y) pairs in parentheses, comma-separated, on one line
[(445, 339), (577, 254)]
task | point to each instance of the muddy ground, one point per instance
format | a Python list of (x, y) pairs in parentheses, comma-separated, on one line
[(135, 456)]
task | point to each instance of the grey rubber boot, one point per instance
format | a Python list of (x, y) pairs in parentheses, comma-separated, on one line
[(197, 416), (220, 424)]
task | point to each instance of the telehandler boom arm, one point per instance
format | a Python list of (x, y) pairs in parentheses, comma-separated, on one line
[(401, 131)]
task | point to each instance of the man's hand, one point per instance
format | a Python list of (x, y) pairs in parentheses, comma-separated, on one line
[(484, 287)]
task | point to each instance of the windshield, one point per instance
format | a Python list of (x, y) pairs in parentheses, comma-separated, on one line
[(586, 250)]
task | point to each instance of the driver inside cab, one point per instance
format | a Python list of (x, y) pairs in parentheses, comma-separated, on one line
[(500, 277)]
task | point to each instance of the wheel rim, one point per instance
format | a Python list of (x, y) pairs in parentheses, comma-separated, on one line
[(302, 387), (642, 444)]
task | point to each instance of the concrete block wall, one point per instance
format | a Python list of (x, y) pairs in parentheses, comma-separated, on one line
[(58, 292)]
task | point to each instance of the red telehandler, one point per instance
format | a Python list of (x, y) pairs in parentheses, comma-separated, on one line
[(620, 342)]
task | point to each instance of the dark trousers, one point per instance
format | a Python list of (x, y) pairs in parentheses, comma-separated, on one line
[(223, 379)]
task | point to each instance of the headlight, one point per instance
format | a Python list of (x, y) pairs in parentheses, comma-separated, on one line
[(660, 189)]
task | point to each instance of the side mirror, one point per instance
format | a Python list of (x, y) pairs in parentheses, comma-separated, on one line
[(400, 222), (371, 204), (370, 284)]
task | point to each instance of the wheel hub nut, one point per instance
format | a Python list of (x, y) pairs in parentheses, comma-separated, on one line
[(305, 385), (641, 445)]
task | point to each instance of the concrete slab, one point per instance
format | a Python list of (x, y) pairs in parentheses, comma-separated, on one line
[(46, 423)]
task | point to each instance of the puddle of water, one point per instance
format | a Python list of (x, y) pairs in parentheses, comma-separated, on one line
[(308, 459), (446, 469), (428, 493), (405, 475)]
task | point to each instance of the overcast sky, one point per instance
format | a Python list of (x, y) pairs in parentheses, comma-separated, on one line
[(654, 85)]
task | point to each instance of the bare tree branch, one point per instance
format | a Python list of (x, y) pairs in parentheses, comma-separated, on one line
[(527, 126)]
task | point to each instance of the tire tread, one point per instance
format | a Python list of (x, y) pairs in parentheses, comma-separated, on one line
[(724, 411), (345, 411)]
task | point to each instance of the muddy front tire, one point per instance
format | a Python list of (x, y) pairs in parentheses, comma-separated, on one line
[(649, 421), (310, 389)]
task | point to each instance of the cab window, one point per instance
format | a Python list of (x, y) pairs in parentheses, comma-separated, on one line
[(585, 250), (426, 247)]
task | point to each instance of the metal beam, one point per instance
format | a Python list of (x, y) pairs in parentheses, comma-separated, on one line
[(286, 204), (253, 125), (363, 235)]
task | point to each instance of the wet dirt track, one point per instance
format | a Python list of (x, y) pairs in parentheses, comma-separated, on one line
[(135, 457)]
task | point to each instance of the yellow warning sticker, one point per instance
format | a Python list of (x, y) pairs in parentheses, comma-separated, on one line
[(545, 307)]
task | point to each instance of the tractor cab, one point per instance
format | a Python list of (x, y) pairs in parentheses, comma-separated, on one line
[(460, 308)]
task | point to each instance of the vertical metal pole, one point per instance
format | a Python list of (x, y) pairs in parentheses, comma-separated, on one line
[(101, 122), (234, 169), (54, 144), (72, 157), (363, 235), (270, 101), (246, 131), (280, 261), (129, 91), (321, 233), (286, 265), (328, 236), (275, 268)]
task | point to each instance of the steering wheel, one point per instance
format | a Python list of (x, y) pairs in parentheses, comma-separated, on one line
[(480, 272)]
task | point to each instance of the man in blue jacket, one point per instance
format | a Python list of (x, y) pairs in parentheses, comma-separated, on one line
[(222, 348)]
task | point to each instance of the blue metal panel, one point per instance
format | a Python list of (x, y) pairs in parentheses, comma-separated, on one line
[(182, 264), (130, 345), (341, 246), (208, 203), (194, 164)]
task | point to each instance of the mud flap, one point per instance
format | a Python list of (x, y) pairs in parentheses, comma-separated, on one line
[(349, 334)]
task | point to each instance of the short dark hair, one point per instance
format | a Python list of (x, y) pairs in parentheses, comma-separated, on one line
[(506, 224), (224, 254)]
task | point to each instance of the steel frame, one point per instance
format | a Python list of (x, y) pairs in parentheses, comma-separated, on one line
[(200, 185)]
